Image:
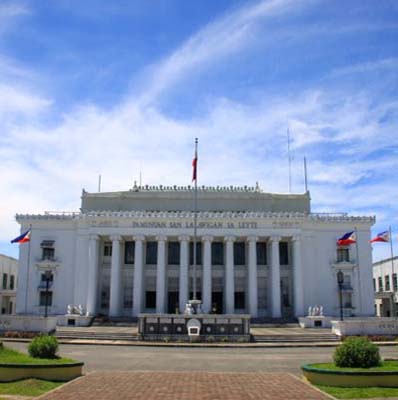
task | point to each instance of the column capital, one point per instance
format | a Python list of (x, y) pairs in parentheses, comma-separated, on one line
[(207, 238), (275, 238), (229, 238), (138, 238), (184, 238), (252, 238), (93, 236), (115, 238), (161, 238)]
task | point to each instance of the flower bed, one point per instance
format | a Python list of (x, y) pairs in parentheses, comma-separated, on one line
[(328, 374)]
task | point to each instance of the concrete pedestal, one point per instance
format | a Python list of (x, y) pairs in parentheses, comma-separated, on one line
[(319, 321), (74, 320)]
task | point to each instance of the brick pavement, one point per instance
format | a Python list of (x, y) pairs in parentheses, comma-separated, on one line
[(186, 385)]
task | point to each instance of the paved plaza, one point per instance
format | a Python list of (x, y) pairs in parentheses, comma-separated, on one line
[(186, 385)]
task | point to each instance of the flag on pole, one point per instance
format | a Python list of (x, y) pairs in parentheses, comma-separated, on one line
[(25, 237), (347, 239), (381, 237), (194, 165)]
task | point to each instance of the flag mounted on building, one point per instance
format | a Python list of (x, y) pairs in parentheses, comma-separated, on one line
[(381, 237), (195, 162), (25, 237), (347, 239)]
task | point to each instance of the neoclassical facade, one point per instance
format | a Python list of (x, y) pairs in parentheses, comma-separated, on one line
[(129, 252), (8, 288)]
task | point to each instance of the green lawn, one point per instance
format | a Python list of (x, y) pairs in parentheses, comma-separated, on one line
[(359, 393), (28, 387), (385, 366), (9, 356)]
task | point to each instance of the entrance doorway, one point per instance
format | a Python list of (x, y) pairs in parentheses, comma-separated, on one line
[(173, 302), (217, 302)]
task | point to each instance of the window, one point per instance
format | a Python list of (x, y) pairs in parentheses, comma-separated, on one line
[(43, 296), (150, 299), (198, 253), (43, 277), (105, 297), (387, 282), (107, 249), (394, 282), (47, 253), (151, 253), (239, 253), (380, 282), (47, 248), (217, 253), (129, 252), (5, 278), (173, 253), (283, 253), (12, 282), (240, 300), (374, 284), (128, 297), (343, 255), (261, 253)]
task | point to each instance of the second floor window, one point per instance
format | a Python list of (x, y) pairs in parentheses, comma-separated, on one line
[(217, 253), (151, 257), (5, 279), (47, 253), (394, 282), (129, 253), (261, 253), (387, 282), (239, 253), (107, 249), (198, 253), (343, 255), (12, 282), (173, 253), (284, 253), (380, 282)]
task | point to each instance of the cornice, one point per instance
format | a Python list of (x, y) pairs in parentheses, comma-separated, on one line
[(291, 216)]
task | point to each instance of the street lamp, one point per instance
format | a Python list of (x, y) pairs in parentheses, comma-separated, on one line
[(47, 278), (340, 281)]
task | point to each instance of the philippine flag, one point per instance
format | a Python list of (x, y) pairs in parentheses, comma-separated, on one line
[(347, 239), (25, 237), (381, 237)]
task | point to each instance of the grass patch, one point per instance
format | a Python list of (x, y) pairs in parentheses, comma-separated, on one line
[(385, 366), (28, 387), (359, 393), (9, 356)]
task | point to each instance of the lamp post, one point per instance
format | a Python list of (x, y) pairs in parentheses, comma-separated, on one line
[(47, 277), (340, 281)]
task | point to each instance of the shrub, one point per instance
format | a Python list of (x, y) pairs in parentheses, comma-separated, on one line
[(43, 347), (357, 352)]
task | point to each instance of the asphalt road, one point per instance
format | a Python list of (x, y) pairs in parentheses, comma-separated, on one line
[(126, 358)]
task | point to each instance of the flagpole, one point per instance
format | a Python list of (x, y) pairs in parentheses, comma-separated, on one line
[(27, 270), (195, 220), (393, 272), (359, 273)]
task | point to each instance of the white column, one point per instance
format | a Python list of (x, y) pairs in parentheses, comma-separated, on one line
[(252, 276), (138, 275), (229, 276), (298, 278), (161, 275), (115, 303), (206, 277), (92, 287), (275, 278), (184, 280)]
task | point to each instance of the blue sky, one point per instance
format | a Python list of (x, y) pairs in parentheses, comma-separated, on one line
[(117, 87)]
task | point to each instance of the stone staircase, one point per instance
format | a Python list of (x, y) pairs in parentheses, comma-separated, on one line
[(321, 337), (93, 334)]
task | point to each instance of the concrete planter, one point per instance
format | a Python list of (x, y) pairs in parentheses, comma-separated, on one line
[(27, 323), (365, 326), (327, 377), (51, 372)]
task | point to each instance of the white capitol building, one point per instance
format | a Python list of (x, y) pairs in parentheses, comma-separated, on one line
[(130, 252)]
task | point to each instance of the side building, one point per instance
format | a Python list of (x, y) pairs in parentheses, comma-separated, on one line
[(129, 252), (8, 288), (385, 286)]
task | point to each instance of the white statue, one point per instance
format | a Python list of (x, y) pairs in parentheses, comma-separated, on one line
[(80, 309), (321, 311), (188, 309), (69, 309), (309, 311)]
